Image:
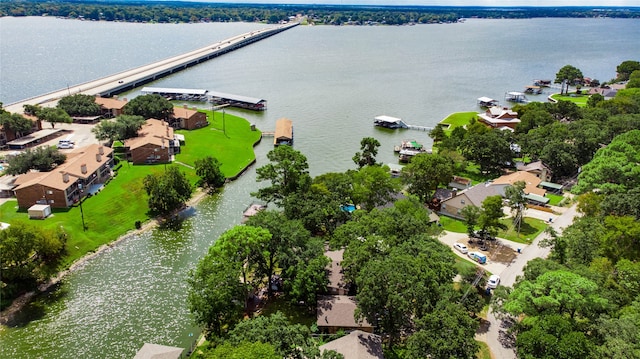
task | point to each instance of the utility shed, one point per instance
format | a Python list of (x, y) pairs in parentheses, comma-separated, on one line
[(284, 132), (39, 211)]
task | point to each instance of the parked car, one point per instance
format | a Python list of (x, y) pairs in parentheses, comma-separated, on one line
[(64, 144), (494, 281), (478, 257), (461, 247)]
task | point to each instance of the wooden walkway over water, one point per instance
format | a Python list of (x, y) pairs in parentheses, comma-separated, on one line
[(127, 80)]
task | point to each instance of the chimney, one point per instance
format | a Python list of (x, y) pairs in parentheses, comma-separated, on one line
[(115, 97), (124, 99), (101, 150), (65, 177), (186, 106), (98, 157), (194, 108), (83, 168)]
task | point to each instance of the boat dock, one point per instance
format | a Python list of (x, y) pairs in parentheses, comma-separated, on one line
[(216, 98), (249, 103), (394, 123), (177, 93), (283, 134), (130, 79)]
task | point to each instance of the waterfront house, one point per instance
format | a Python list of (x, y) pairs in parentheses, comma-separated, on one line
[(189, 119), (537, 168), (111, 106), (155, 144), (336, 312), (84, 171), (356, 345), (471, 196), (500, 118)]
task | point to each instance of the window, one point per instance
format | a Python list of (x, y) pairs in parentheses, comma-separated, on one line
[(462, 201), (49, 192)]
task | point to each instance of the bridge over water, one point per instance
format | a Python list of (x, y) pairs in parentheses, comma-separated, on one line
[(129, 79)]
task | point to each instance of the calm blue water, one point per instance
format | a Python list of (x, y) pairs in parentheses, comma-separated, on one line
[(331, 81)]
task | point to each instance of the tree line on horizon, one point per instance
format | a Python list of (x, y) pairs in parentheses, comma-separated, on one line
[(189, 12)]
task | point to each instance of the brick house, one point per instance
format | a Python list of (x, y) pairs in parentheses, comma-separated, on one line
[(84, 169), (111, 107), (501, 118), (155, 144), (7, 135), (189, 119)]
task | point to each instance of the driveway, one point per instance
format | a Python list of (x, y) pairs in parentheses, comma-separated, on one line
[(494, 330)]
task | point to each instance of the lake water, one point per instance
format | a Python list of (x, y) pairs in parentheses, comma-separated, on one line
[(331, 81)]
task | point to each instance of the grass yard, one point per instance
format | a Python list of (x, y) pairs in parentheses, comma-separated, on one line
[(457, 119), (554, 199), (529, 229), (296, 314), (123, 201), (472, 171), (234, 150), (484, 352), (580, 100), (453, 225)]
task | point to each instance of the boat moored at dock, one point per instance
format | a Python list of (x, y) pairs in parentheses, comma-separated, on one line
[(389, 122)]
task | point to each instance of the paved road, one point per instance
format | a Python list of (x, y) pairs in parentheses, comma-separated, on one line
[(509, 276)]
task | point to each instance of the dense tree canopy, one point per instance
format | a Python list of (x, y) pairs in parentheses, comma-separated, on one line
[(626, 68), (425, 173), (569, 73), (53, 116), (288, 173), (208, 169), (120, 129), (16, 123), (43, 159), (79, 105), (167, 191), (149, 106)]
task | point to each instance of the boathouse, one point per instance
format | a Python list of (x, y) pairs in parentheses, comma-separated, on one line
[(249, 103), (177, 93), (389, 122), (487, 102), (284, 132)]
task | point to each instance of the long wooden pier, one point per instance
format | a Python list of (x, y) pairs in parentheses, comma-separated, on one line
[(127, 80)]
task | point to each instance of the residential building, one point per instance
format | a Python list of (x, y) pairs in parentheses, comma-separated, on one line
[(472, 196), (537, 168), (155, 144), (337, 284), (111, 106), (336, 312), (189, 119), (357, 345), (7, 135), (84, 171), (501, 118)]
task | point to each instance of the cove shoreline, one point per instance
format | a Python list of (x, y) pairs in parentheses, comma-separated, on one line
[(7, 316)]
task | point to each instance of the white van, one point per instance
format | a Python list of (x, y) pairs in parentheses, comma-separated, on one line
[(64, 144)]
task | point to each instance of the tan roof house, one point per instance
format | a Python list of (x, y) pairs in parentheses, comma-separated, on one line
[(537, 168), (85, 169), (499, 117), (335, 312), (189, 119), (356, 345), (155, 143), (111, 106), (531, 182)]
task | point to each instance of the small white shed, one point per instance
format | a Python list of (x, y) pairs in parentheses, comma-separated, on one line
[(39, 211)]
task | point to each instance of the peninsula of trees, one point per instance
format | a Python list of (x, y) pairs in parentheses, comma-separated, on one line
[(177, 11)]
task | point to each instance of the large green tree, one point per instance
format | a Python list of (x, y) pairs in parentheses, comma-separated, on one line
[(167, 191), (489, 149), (149, 106), (288, 172), (368, 152), (373, 186), (517, 202), (121, 128), (491, 213), (53, 116), (425, 173), (626, 68), (16, 123), (208, 169), (570, 73), (79, 105), (43, 159)]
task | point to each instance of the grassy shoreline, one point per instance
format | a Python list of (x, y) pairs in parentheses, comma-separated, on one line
[(111, 215)]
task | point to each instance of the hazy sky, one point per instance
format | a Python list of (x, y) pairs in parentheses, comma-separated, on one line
[(451, 2)]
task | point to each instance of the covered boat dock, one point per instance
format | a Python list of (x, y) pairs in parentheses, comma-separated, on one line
[(177, 93), (249, 103), (389, 122), (487, 102), (284, 132)]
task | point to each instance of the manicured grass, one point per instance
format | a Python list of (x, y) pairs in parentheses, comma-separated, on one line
[(484, 352), (458, 119), (453, 225), (473, 172), (123, 200), (580, 100), (234, 149), (529, 229), (554, 199)]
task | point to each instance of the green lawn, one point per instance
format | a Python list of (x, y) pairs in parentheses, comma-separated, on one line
[(529, 229), (472, 171), (580, 100), (234, 150), (484, 352), (457, 119), (123, 201), (554, 199)]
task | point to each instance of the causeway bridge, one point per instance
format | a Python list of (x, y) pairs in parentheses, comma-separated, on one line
[(129, 79)]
